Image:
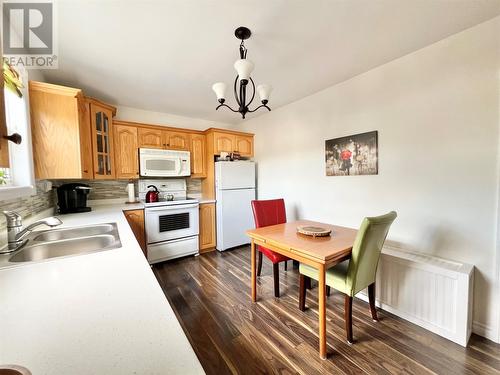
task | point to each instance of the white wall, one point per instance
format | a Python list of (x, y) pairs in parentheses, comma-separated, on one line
[(437, 114), (36, 75), (166, 119)]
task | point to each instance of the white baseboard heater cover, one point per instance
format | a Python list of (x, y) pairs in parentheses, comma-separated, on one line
[(431, 292)]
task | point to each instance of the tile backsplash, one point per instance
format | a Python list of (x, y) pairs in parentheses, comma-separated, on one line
[(111, 189), (102, 189), (193, 187), (29, 206)]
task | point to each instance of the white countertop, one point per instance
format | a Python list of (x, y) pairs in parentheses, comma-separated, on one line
[(99, 313), (204, 201)]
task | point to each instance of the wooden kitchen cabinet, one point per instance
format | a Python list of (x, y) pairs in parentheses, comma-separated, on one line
[(72, 134), (244, 145), (126, 151), (61, 134), (224, 142), (207, 227), (135, 219), (165, 139), (176, 140), (198, 156), (101, 124), (230, 141), (151, 138)]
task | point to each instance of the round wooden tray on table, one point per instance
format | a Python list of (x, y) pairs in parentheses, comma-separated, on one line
[(313, 231)]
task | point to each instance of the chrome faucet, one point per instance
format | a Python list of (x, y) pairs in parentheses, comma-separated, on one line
[(16, 232)]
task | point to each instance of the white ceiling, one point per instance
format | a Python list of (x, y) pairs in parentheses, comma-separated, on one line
[(164, 55)]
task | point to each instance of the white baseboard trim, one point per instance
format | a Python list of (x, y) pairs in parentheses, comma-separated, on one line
[(485, 331)]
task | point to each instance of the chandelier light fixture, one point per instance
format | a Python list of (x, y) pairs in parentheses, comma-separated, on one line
[(244, 68)]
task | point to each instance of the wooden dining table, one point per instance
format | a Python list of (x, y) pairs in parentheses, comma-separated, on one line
[(318, 252)]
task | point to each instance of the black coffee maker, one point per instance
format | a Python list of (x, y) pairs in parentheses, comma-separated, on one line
[(73, 198)]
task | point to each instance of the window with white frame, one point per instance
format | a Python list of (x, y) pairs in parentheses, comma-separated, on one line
[(17, 180)]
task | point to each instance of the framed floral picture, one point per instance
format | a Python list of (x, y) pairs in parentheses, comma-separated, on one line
[(352, 155)]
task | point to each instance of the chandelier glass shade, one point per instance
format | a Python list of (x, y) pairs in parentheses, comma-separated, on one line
[(243, 81)]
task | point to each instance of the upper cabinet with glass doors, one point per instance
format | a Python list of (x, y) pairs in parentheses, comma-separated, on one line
[(101, 118)]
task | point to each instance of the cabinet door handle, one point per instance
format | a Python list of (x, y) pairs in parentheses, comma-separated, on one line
[(15, 138), (86, 171)]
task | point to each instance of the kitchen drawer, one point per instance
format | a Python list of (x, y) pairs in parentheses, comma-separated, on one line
[(159, 252)]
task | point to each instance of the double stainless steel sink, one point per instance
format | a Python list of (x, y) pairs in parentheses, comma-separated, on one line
[(64, 242)]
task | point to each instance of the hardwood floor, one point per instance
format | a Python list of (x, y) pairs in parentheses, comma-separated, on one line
[(210, 295)]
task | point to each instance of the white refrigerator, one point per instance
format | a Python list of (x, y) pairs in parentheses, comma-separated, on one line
[(234, 191)]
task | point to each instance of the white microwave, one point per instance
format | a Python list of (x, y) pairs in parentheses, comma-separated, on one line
[(164, 163)]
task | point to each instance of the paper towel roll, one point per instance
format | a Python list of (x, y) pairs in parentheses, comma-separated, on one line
[(131, 192)]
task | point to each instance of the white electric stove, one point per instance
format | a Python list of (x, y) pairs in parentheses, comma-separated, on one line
[(172, 223)]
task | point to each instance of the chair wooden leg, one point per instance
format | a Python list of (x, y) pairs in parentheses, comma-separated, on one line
[(328, 291), (276, 275), (348, 318), (259, 263), (302, 292), (371, 298), (286, 262)]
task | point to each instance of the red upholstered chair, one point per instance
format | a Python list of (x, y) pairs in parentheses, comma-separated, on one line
[(266, 213)]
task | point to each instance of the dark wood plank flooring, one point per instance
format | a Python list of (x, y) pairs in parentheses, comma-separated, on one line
[(210, 295)]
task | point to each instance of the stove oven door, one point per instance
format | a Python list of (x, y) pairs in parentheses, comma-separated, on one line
[(167, 223)]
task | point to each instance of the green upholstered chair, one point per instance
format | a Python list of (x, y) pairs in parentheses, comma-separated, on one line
[(358, 272)]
